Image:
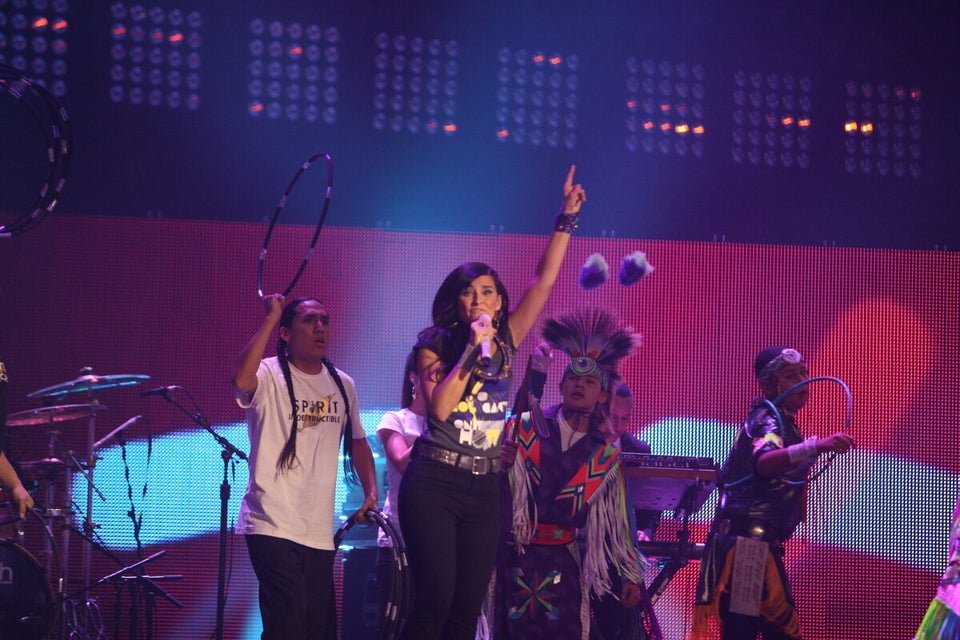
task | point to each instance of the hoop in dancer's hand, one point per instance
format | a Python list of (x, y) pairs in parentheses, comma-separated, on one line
[(276, 214)]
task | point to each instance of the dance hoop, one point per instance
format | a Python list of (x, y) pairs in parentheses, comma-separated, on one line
[(771, 406), (58, 141), (276, 214), (398, 589)]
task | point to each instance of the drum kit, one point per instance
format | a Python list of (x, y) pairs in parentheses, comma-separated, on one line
[(37, 597)]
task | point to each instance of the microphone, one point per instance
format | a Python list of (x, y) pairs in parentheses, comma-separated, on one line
[(159, 391), (485, 346), (99, 443)]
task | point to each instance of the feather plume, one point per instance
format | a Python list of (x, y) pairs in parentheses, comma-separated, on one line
[(594, 333), (634, 268), (594, 272)]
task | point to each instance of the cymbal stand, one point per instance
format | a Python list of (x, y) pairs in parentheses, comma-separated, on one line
[(88, 524), (87, 474), (62, 513)]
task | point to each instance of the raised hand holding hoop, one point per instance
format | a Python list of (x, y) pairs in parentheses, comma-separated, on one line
[(276, 214), (771, 406)]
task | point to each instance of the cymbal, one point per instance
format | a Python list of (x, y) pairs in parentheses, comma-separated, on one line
[(89, 383), (57, 413), (43, 469)]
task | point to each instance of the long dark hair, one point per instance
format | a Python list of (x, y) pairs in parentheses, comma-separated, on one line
[(288, 455), (406, 389), (448, 336)]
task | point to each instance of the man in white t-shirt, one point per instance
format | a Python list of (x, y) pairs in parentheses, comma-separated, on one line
[(287, 511)]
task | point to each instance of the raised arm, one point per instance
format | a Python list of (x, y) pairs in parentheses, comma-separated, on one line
[(248, 361), (525, 315)]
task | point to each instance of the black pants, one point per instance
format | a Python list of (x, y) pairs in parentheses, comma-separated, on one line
[(450, 521), (297, 600)]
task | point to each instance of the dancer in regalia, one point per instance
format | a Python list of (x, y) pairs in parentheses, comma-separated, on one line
[(567, 483)]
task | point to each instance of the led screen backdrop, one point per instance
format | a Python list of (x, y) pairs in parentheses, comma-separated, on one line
[(175, 300)]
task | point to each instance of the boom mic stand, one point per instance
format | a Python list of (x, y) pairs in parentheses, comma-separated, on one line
[(228, 451), (140, 583)]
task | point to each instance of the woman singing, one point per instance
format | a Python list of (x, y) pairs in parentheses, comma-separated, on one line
[(449, 501)]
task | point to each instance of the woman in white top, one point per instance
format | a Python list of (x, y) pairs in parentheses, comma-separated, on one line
[(397, 431)]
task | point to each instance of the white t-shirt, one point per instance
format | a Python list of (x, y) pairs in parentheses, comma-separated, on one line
[(410, 426), (568, 435), (298, 504)]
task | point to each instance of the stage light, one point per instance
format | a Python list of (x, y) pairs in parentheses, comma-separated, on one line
[(31, 40), (542, 89), (673, 101), (411, 75), (891, 116), (159, 30), (300, 70), (772, 111)]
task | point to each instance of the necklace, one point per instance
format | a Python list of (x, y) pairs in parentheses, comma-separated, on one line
[(503, 372)]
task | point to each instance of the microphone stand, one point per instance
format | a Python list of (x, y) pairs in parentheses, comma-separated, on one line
[(228, 451), (137, 588), (138, 584)]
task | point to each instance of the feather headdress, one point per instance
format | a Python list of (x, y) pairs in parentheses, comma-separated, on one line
[(594, 339)]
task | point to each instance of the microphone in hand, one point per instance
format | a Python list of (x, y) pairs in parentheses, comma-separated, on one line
[(485, 346)]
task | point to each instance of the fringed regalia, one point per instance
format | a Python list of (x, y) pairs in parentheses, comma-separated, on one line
[(559, 497)]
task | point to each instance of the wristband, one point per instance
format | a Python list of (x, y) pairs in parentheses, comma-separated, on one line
[(802, 451), (566, 222)]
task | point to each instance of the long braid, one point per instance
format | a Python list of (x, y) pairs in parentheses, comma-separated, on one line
[(349, 471), (288, 455)]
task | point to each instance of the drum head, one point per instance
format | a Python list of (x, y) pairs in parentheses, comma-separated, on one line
[(27, 608)]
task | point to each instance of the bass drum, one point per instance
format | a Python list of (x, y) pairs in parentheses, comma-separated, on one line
[(27, 607)]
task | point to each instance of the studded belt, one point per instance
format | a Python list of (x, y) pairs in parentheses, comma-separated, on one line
[(477, 465)]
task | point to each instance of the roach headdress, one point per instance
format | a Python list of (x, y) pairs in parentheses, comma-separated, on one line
[(594, 339)]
